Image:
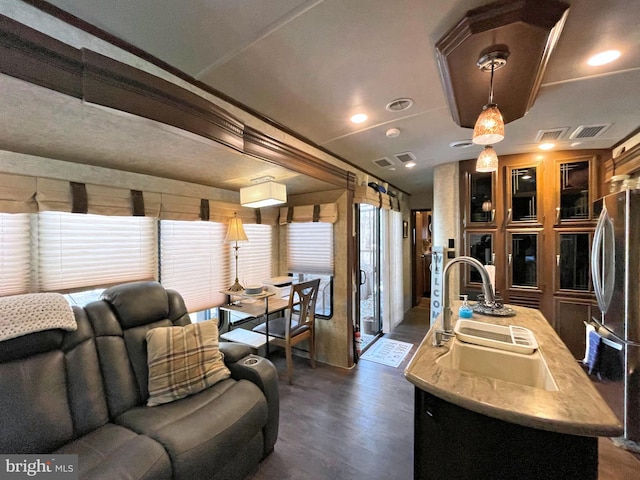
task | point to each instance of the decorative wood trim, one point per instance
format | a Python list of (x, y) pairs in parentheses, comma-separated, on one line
[(626, 163), (34, 57), (37, 58), (114, 84), (504, 24), (260, 145)]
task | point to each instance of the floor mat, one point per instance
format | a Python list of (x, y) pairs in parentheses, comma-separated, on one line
[(387, 352)]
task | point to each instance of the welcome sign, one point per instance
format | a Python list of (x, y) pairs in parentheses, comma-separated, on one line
[(437, 264)]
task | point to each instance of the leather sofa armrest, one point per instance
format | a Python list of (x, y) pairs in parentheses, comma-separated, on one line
[(263, 373), (234, 351)]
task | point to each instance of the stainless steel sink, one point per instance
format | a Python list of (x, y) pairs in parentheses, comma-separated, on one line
[(525, 369)]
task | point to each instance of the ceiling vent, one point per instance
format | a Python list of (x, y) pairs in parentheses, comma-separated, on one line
[(589, 131), (399, 104), (551, 134), (405, 157), (384, 162)]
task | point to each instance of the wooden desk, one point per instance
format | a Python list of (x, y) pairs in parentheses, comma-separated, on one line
[(261, 308)]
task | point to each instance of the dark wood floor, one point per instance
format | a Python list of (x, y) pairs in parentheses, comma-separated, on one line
[(358, 424)]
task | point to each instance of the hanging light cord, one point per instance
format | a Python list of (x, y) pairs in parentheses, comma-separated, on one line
[(493, 63)]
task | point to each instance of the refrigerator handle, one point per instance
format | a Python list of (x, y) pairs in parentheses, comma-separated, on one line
[(603, 257), (596, 250)]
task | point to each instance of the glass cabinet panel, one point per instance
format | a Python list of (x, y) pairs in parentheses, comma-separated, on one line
[(523, 195), (573, 261), (481, 203), (574, 191), (523, 259), (480, 248)]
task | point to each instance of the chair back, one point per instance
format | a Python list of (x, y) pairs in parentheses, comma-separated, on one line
[(302, 307)]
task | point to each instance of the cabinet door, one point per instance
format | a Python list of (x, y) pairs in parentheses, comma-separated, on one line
[(570, 315), (523, 259), (523, 184), (574, 183), (573, 261), (479, 245), (480, 202)]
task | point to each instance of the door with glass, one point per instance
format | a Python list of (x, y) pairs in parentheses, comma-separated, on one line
[(368, 305)]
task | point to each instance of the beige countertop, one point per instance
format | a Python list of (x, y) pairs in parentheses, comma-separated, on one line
[(576, 408)]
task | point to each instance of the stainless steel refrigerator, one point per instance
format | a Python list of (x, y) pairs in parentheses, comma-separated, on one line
[(615, 268)]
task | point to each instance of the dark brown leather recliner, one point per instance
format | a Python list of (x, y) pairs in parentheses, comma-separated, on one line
[(85, 392)]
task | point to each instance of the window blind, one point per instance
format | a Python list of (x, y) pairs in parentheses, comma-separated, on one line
[(15, 254), (195, 261), (254, 256), (79, 251), (310, 248)]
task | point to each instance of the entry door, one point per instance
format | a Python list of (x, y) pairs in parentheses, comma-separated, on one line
[(368, 232)]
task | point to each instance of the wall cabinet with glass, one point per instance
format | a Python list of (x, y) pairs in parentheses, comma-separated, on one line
[(540, 227), (523, 259), (479, 245), (481, 206), (575, 183), (573, 261), (522, 195)]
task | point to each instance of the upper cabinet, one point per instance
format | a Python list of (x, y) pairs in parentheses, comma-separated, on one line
[(533, 219), (523, 186), (480, 209), (575, 190)]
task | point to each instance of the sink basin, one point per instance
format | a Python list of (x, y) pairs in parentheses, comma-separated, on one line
[(530, 370)]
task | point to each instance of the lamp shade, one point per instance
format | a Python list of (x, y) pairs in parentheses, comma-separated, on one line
[(263, 194), (489, 127), (236, 231), (487, 160)]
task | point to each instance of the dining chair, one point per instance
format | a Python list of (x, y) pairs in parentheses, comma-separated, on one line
[(297, 324)]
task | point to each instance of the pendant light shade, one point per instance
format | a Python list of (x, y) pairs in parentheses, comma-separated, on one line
[(487, 160), (263, 194), (489, 128)]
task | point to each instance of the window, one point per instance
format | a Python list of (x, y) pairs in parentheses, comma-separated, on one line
[(310, 255), (194, 261), (77, 251), (15, 254), (254, 256)]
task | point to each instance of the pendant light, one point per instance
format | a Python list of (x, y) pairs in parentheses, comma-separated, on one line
[(263, 193), (487, 160), (489, 127)]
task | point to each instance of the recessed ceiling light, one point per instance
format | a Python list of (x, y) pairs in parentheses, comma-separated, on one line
[(575, 144), (546, 146), (410, 164), (603, 58), (359, 118)]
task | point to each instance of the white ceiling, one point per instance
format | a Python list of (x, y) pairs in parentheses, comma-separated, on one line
[(309, 65)]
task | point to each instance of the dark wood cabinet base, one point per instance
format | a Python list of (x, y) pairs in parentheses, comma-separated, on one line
[(452, 442)]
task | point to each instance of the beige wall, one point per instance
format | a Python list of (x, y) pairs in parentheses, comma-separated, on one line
[(332, 339)]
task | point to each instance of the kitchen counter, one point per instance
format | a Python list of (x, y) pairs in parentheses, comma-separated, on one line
[(576, 408)]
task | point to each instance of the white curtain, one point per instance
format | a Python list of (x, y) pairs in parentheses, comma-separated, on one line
[(195, 261), (15, 258), (310, 248), (83, 250), (254, 256)]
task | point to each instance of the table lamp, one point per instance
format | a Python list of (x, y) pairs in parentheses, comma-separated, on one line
[(236, 234)]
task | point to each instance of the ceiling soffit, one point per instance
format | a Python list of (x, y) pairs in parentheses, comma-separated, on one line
[(529, 29), (39, 59)]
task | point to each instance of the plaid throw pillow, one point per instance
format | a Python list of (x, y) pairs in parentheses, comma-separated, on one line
[(183, 361)]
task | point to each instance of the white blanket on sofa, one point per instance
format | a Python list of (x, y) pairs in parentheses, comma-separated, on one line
[(34, 312)]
